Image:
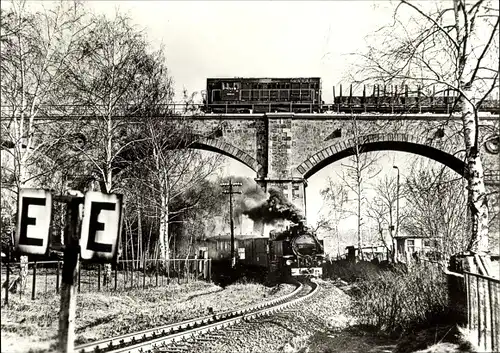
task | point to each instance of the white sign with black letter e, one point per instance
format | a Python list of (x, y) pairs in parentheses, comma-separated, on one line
[(33, 221), (101, 226)]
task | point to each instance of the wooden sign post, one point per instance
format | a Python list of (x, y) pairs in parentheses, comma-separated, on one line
[(67, 313), (97, 230)]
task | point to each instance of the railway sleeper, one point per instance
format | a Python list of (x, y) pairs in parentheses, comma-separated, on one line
[(173, 350)]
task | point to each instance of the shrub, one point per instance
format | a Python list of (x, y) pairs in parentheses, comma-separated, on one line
[(361, 270), (395, 301)]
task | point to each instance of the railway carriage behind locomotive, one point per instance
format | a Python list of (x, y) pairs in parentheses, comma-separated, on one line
[(261, 95), (295, 251)]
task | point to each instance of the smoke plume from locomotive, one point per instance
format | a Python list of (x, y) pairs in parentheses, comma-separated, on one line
[(275, 208), (266, 208)]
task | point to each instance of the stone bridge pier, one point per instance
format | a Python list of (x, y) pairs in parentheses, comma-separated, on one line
[(278, 161), (285, 149)]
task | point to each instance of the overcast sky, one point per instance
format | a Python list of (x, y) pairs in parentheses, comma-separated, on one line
[(262, 39), (255, 38)]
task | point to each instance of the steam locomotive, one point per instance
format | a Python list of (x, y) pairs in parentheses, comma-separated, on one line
[(295, 251)]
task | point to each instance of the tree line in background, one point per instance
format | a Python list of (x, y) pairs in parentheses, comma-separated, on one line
[(63, 61)]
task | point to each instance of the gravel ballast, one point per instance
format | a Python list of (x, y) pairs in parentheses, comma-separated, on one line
[(287, 331)]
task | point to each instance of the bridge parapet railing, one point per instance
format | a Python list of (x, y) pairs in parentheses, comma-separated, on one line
[(94, 112), (354, 104)]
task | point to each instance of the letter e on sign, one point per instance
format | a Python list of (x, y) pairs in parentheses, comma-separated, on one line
[(33, 221), (101, 226)]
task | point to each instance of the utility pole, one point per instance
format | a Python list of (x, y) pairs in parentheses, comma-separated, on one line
[(231, 192)]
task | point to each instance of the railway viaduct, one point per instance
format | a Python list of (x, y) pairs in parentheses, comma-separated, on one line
[(285, 149)]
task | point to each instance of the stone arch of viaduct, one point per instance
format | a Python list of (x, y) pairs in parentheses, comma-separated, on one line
[(285, 149), (227, 149), (340, 150), (378, 142)]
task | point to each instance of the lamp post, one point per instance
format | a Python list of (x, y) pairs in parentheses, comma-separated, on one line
[(397, 202)]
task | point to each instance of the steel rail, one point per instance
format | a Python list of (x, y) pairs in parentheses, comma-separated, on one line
[(162, 343), (179, 328)]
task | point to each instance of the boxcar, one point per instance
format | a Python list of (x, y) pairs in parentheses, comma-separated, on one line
[(253, 252)]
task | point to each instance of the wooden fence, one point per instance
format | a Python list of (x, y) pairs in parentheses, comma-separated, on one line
[(44, 277), (480, 296), (483, 315)]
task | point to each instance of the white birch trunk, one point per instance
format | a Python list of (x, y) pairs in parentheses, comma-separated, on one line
[(477, 201), (164, 239), (358, 186), (23, 268)]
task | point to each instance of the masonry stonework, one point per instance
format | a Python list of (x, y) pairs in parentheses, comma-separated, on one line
[(284, 149)]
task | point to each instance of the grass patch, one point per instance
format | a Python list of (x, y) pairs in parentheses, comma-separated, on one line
[(395, 302), (33, 324), (349, 340)]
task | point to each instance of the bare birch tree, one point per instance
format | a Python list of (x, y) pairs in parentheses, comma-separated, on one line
[(172, 169), (119, 78), (436, 205), (382, 209), (361, 167), (335, 196), (37, 48), (454, 45)]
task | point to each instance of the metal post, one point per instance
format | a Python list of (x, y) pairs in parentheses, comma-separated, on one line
[(70, 274), (33, 287), (57, 276), (397, 203), (98, 277)]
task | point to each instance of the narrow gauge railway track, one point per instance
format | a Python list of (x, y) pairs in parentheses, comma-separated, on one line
[(159, 338)]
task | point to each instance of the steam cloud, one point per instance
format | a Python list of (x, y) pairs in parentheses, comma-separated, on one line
[(266, 208)]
